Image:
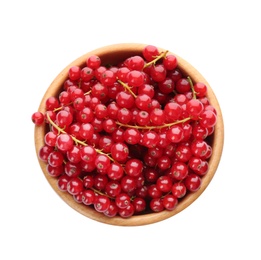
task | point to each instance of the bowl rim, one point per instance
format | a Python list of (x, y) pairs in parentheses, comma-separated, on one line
[(124, 50)]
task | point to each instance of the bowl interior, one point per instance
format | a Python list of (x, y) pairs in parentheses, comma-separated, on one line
[(112, 55)]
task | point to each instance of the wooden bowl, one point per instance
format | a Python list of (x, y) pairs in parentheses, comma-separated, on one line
[(114, 54)]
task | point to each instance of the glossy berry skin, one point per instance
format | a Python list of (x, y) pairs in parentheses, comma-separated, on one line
[(179, 170), (128, 138), (75, 186), (101, 203), (134, 167), (150, 52), (122, 200), (170, 202), (179, 190), (175, 134), (38, 118), (119, 151), (88, 197), (158, 73), (192, 182), (64, 142), (164, 183)]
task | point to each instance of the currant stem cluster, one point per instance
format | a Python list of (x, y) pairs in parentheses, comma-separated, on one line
[(77, 141)]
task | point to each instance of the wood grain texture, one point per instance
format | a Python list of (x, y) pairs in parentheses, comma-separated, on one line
[(112, 55)]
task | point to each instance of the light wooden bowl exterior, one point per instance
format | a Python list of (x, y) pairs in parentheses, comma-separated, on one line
[(114, 54)]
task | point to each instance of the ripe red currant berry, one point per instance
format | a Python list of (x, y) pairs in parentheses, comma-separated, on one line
[(199, 132), (108, 78), (112, 211), (113, 188), (126, 212), (150, 139), (55, 171), (134, 167), (194, 107), (63, 182), (99, 91), (115, 171), (74, 129), (122, 73), (200, 89), (88, 153), (125, 99), (156, 205), (170, 202), (183, 152), (142, 118), (208, 119), (109, 125), (88, 197), (102, 163), (132, 136), (122, 200), (88, 181), (86, 131), (128, 184), (182, 86), (101, 203), (157, 117), (143, 102), (164, 183), (119, 152), (64, 142), (175, 134), (154, 192), (166, 86), (139, 204), (105, 143), (199, 148), (100, 111), (38, 118), (151, 174), (170, 62), (135, 78), (124, 115), (158, 72), (75, 186), (87, 74), (100, 181), (93, 62), (72, 169), (135, 63), (150, 52), (44, 152), (74, 73), (55, 158), (64, 118), (179, 170), (179, 190), (51, 103), (163, 162), (85, 115), (192, 182), (146, 89)]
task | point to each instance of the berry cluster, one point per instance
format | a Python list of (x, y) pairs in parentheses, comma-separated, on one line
[(129, 138)]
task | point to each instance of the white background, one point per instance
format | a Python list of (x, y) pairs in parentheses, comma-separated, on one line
[(220, 38)]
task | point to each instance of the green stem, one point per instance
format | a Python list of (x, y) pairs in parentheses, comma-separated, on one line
[(60, 130), (155, 126), (192, 87), (127, 87), (60, 108), (162, 55)]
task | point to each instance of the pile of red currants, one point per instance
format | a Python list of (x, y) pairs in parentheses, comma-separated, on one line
[(129, 138)]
